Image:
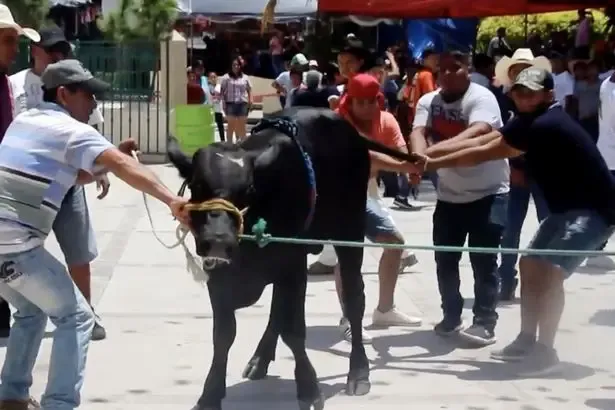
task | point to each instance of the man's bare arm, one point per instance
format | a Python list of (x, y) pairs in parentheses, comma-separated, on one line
[(134, 174), (382, 162), (440, 150), (475, 130), (480, 152), (418, 140)]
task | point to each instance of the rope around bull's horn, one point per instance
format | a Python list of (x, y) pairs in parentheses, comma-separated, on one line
[(181, 232)]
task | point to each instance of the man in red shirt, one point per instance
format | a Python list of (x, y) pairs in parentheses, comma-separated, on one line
[(362, 105)]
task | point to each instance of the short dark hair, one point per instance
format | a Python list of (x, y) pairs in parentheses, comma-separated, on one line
[(50, 95), (427, 52), (459, 56)]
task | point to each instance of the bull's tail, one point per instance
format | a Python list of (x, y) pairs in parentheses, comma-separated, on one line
[(383, 149)]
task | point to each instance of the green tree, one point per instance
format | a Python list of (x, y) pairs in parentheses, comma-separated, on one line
[(140, 20), (542, 24), (29, 13)]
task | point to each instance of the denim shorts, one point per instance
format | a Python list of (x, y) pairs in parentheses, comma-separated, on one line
[(378, 220), (73, 229), (580, 230), (236, 109)]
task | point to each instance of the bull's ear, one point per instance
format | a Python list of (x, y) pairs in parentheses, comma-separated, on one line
[(181, 161)]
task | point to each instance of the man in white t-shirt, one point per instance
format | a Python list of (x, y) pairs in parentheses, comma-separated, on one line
[(472, 202), (72, 227), (606, 146), (564, 82)]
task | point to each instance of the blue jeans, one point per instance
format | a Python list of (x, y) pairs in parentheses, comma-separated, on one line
[(38, 286), (582, 230), (395, 185), (482, 222), (519, 199)]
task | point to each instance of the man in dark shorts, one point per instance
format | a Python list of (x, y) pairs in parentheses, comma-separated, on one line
[(559, 154)]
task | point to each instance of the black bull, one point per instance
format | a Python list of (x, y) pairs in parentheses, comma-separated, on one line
[(267, 175)]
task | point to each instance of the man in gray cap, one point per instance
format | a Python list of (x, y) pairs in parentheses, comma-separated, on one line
[(72, 227), (559, 154), (46, 150)]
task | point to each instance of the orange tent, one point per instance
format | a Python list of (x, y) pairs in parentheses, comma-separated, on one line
[(453, 8)]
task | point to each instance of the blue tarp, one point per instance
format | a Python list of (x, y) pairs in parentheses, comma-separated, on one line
[(441, 34)]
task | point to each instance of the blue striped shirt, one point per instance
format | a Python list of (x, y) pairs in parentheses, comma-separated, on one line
[(40, 157)]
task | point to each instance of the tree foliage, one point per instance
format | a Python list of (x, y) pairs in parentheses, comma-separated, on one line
[(29, 13), (140, 20), (542, 24)]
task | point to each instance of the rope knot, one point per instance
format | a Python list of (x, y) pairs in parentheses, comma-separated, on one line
[(261, 238)]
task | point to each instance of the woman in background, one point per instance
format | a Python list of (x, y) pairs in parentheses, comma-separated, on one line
[(236, 93), (215, 93)]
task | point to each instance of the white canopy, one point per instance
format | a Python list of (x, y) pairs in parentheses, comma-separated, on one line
[(247, 7)]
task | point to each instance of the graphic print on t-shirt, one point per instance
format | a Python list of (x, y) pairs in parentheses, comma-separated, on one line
[(446, 122)]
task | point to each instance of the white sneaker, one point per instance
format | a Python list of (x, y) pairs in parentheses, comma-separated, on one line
[(600, 262), (394, 317), (345, 329)]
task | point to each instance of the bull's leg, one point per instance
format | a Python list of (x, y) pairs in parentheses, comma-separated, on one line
[(264, 354), (290, 320), (225, 329), (353, 296)]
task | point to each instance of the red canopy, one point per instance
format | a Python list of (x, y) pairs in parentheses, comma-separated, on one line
[(453, 8)]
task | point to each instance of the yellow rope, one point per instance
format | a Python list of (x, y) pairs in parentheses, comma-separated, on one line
[(268, 15), (219, 204)]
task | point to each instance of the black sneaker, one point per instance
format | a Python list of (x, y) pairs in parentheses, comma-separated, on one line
[(448, 327), (516, 351), (403, 204), (541, 362), (99, 332), (508, 290), (318, 268), (478, 335)]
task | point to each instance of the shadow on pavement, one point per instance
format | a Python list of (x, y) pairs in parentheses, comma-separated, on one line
[(601, 404), (271, 392), (325, 338), (604, 317)]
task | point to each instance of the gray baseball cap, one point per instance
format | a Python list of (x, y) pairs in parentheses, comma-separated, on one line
[(72, 72), (535, 79)]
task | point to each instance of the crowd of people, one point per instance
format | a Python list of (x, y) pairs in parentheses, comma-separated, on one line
[(451, 104)]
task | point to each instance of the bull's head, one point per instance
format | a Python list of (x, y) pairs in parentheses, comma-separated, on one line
[(219, 171)]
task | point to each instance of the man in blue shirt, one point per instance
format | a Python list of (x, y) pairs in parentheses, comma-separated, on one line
[(559, 154), (47, 150)]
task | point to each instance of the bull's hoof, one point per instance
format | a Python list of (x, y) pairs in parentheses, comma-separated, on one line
[(316, 404), (256, 369), (358, 384)]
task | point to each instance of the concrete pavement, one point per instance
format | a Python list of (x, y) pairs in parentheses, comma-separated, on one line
[(159, 328)]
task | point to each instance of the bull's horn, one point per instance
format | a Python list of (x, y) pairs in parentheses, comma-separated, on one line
[(268, 15)]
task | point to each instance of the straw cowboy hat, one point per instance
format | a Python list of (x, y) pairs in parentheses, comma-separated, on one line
[(7, 21), (521, 56)]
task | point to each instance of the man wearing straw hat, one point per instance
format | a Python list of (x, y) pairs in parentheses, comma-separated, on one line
[(521, 187), (9, 44)]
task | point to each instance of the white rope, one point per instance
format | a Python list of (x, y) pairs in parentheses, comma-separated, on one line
[(193, 263)]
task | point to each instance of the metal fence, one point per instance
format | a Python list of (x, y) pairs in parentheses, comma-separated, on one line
[(134, 107)]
